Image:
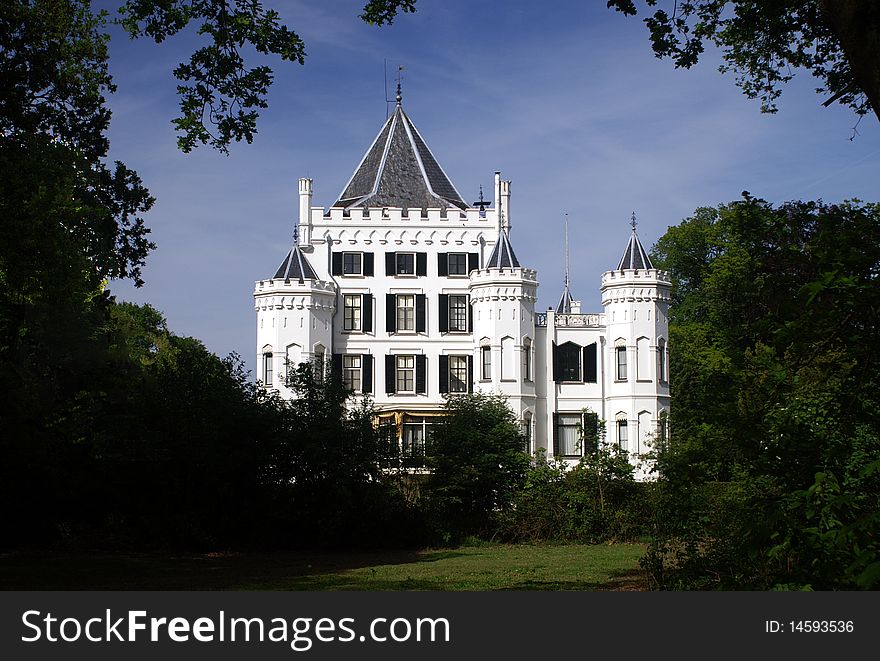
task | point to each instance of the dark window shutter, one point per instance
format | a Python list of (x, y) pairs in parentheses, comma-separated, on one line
[(470, 315), (590, 425), (473, 261), (390, 313), (336, 366), (443, 371), (389, 374), (421, 374), (442, 264), (390, 263), (336, 266), (555, 434), (556, 375), (366, 373), (369, 262), (367, 313), (470, 374), (443, 312), (421, 313), (590, 366), (421, 263)]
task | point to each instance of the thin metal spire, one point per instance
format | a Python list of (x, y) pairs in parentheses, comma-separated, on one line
[(567, 280), (399, 78), (296, 234), (633, 222), (504, 227)]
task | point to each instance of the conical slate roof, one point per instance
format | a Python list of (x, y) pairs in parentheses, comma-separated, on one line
[(634, 257), (399, 170), (503, 255), (296, 267), (564, 306)]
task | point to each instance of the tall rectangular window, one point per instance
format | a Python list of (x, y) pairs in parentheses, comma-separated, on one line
[(351, 372), (621, 363), (406, 373), (527, 360), (623, 435), (351, 315), (569, 362), (661, 360), (352, 263), (457, 262), (406, 263), (416, 431), (267, 369), (458, 313), (458, 376), (406, 312), (567, 431), (486, 363)]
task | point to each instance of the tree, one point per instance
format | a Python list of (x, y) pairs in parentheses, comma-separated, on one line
[(477, 461), (771, 473), (761, 42)]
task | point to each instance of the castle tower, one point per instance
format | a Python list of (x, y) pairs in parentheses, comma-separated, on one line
[(294, 319), (635, 297), (503, 295)]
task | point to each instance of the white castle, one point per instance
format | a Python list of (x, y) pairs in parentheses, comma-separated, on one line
[(410, 293)]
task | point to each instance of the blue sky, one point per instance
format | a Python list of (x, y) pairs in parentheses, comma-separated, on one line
[(566, 99)]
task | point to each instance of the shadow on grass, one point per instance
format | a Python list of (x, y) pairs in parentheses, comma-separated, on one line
[(211, 571)]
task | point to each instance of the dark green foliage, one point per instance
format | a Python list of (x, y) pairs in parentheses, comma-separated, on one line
[(477, 463), (597, 500), (764, 42), (775, 386)]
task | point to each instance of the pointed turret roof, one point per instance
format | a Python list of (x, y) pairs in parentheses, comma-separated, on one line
[(296, 267), (564, 306), (503, 255), (634, 257), (399, 170)]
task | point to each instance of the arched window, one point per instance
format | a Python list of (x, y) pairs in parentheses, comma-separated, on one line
[(643, 440), (527, 359), (622, 432), (527, 432), (620, 359), (661, 361), (268, 365)]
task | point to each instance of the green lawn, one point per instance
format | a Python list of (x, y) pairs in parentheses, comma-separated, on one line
[(489, 567)]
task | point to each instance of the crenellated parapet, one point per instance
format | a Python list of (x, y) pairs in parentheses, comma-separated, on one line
[(278, 294)]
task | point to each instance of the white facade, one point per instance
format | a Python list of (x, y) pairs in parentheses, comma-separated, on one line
[(408, 303)]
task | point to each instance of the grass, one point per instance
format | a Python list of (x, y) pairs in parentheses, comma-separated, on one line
[(488, 567)]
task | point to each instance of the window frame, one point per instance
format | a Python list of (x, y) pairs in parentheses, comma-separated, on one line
[(268, 369), (575, 422), (398, 298), (485, 363), (464, 264), (359, 321), (461, 309), (458, 366), (397, 263), (360, 270), (527, 360), (576, 352), (623, 439), (355, 371), (620, 374), (400, 371)]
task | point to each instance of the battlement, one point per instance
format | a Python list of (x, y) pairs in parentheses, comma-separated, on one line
[(394, 216), (628, 276), (489, 276), (280, 286)]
